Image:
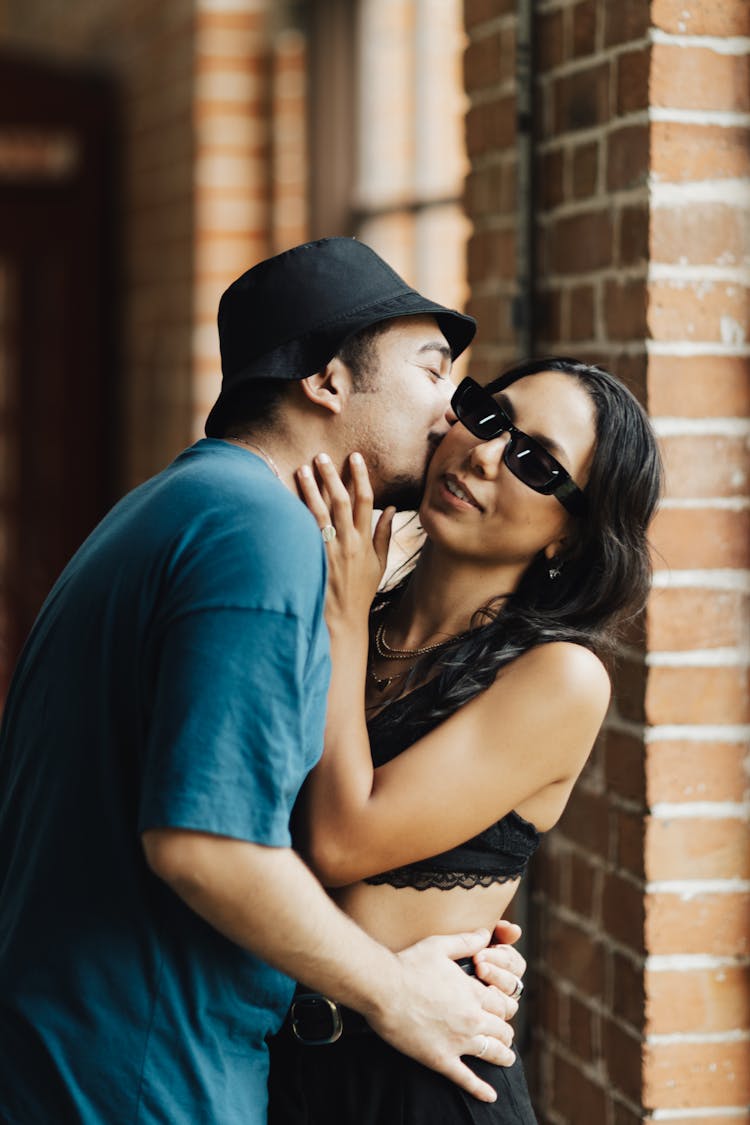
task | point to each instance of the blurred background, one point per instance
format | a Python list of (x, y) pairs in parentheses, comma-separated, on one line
[(576, 174)]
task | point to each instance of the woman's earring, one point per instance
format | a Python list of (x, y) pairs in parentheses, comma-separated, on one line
[(554, 569)]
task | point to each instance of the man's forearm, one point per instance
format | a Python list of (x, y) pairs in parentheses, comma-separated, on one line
[(267, 901)]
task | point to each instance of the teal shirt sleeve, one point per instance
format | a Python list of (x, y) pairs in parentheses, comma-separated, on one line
[(224, 749)]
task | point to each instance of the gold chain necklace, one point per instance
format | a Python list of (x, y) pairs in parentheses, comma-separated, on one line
[(259, 449), (385, 651)]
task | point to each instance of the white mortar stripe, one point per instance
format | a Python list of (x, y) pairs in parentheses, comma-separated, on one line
[(700, 658), (708, 503), (699, 117), (694, 733), (665, 1039), (731, 191), (718, 579), (683, 427), (730, 1112), (692, 888), (709, 348), (704, 276), (731, 45), (692, 962), (707, 810)]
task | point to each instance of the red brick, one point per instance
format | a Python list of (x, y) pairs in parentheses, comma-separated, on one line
[(581, 243), (712, 924), (631, 369), (550, 189), (575, 1096), (698, 695), (585, 821), (701, 17), (628, 151), (581, 313), (701, 538), (584, 888), (625, 307), (584, 28), (585, 170), (633, 236), (633, 69), (623, 909), (628, 990), (695, 848), (698, 78), (490, 60), (480, 11), (629, 851), (629, 689), (699, 386), (547, 314), (706, 465), (581, 100), (678, 1075), (696, 771), (625, 765), (624, 1060), (700, 234), (697, 1000), (581, 1038), (682, 152), (625, 23), (683, 619), (687, 311), (574, 956), (548, 51)]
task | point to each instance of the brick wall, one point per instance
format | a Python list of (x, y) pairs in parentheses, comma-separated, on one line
[(639, 921)]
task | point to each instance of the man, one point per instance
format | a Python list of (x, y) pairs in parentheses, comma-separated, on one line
[(164, 714)]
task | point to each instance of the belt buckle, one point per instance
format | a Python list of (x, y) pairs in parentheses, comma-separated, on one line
[(315, 1003)]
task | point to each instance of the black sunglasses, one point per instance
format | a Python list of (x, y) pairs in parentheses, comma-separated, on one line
[(526, 458)]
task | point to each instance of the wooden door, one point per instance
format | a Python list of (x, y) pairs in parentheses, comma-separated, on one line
[(57, 346)]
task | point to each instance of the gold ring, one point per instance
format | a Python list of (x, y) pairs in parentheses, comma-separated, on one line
[(328, 532)]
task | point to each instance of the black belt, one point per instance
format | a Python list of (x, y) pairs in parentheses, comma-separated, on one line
[(316, 1021)]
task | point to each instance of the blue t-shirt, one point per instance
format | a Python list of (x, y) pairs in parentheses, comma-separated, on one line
[(176, 677)]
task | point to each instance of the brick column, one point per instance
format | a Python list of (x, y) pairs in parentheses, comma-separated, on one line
[(639, 919), (697, 844)]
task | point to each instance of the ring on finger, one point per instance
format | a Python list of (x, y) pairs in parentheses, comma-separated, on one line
[(516, 993), (485, 1045), (328, 532)]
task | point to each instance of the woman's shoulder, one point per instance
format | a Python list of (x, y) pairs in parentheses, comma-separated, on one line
[(558, 673)]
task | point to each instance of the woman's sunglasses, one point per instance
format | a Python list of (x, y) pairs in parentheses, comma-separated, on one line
[(526, 458)]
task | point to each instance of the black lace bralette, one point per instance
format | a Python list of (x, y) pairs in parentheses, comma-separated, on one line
[(497, 855)]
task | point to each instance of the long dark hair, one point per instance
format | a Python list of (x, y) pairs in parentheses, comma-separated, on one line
[(604, 573)]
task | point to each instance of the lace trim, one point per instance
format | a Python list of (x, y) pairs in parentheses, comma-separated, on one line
[(420, 880)]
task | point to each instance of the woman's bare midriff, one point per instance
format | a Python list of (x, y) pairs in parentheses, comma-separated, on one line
[(399, 916)]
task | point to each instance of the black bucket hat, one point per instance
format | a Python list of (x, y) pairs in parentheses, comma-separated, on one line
[(288, 316)]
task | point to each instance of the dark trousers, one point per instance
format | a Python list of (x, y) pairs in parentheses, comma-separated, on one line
[(361, 1080)]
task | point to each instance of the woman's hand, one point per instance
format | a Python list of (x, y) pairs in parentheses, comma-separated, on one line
[(356, 555)]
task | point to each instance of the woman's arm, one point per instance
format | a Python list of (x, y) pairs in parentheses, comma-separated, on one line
[(523, 740)]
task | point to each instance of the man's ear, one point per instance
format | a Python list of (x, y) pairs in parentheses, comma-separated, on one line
[(329, 388)]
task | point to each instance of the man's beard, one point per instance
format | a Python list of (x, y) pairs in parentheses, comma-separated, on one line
[(405, 493)]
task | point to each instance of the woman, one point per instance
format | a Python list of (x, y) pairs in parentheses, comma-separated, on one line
[(484, 686)]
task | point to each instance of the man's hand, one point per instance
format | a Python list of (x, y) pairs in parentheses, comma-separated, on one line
[(501, 966), (438, 1013)]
